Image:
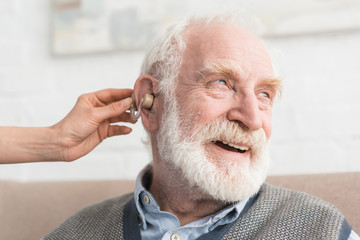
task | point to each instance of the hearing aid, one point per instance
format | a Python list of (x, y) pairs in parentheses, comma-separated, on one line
[(146, 102)]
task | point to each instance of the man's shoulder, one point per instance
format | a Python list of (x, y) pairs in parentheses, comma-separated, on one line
[(287, 196), (94, 220), (282, 212), (106, 207)]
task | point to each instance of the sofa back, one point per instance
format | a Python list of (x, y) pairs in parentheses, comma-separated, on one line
[(30, 210)]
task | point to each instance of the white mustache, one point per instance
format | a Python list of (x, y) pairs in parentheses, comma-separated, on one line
[(231, 132)]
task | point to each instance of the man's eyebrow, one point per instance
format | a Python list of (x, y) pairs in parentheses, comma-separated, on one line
[(234, 70), (273, 83), (228, 70)]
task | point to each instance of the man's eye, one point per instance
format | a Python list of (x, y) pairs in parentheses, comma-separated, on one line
[(264, 94), (221, 81)]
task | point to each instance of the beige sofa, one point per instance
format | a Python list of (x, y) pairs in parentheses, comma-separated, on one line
[(30, 210)]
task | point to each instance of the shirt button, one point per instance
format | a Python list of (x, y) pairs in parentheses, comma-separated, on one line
[(175, 236), (146, 199)]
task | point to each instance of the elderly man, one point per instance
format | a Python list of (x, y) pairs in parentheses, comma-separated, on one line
[(209, 124)]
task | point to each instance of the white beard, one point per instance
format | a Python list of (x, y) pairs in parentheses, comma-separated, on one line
[(217, 179)]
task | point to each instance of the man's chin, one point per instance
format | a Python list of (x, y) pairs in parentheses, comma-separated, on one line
[(233, 194), (231, 181)]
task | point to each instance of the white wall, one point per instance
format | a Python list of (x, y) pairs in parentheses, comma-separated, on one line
[(316, 123)]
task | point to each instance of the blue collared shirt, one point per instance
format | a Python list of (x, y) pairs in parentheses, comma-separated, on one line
[(157, 224)]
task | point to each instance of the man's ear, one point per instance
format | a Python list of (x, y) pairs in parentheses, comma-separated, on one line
[(146, 84)]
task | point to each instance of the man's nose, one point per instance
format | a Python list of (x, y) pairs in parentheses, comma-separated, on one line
[(245, 110)]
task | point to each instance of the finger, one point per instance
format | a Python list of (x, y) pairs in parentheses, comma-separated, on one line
[(112, 110), (112, 95), (115, 130), (125, 117)]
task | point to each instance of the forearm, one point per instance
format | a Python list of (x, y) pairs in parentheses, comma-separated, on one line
[(29, 144)]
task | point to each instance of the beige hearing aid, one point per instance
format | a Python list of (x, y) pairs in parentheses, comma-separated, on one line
[(145, 102)]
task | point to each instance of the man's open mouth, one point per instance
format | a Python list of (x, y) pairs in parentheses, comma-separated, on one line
[(231, 147)]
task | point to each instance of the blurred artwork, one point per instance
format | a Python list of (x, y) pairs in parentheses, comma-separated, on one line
[(79, 27), (88, 26)]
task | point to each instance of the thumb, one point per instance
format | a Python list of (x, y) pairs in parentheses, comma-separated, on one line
[(112, 110)]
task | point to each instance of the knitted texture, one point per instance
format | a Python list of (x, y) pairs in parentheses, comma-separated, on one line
[(99, 221), (277, 213), (283, 214)]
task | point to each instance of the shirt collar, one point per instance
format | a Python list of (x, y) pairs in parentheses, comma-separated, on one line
[(142, 181), (224, 216)]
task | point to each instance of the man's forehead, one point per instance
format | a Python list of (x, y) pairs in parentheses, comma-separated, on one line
[(222, 40), (218, 31), (225, 49)]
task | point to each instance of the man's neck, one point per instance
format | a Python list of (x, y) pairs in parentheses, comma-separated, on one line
[(174, 194)]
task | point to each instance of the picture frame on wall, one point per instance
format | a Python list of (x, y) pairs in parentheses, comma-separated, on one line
[(92, 26)]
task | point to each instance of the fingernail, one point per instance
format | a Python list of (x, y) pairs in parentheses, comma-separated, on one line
[(128, 101)]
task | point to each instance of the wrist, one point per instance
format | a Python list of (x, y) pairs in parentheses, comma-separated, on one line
[(45, 145), (57, 142)]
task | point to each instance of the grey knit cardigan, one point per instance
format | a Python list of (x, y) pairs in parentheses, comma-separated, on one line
[(274, 213)]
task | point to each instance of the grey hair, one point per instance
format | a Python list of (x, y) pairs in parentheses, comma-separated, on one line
[(164, 58)]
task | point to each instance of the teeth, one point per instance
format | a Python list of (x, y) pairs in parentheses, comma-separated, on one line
[(238, 147), (242, 148)]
